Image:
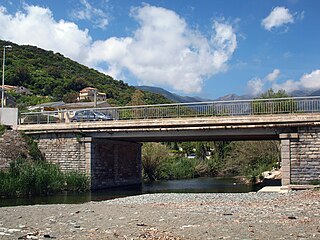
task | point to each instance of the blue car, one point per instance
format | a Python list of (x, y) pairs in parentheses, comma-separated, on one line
[(90, 115)]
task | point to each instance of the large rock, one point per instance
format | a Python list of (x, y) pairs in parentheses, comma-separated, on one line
[(273, 174)]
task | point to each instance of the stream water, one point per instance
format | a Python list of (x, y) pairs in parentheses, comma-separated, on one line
[(196, 185)]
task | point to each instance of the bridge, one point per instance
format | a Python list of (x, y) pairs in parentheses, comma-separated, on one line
[(110, 151)]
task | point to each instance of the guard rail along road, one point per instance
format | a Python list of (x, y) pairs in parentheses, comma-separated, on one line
[(292, 105)]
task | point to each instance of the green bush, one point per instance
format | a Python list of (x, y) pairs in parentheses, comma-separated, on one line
[(178, 168), (153, 155), (76, 181), (29, 178)]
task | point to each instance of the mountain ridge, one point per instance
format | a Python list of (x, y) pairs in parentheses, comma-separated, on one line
[(229, 97)]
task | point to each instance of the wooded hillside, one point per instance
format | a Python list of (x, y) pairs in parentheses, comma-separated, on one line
[(51, 74)]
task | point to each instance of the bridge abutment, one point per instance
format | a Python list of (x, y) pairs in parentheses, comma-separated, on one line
[(300, 156), (108, 163)]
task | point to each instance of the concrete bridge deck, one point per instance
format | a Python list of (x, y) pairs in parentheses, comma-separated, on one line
[(256, 127)]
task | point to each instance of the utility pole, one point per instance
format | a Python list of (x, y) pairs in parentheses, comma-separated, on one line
[(3, 64)]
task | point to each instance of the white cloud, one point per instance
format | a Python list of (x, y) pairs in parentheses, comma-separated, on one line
[(163, 50), (273, 75), (309, 81), (255, 86), (95, 15), (279, 16), (36, 26), (288, 86)]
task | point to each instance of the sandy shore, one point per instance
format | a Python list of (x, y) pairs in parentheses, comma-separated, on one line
[(293, 215)]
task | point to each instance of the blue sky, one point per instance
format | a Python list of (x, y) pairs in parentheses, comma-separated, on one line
[(207, 48)]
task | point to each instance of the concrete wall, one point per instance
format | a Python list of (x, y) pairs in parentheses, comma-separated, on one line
[(107, 163), (9, 117)]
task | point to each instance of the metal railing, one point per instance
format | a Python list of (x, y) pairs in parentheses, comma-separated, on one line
[(178, 110)]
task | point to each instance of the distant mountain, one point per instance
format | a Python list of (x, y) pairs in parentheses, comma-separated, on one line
[(315, 93), (304, 93), (231, 97), (171, 96)]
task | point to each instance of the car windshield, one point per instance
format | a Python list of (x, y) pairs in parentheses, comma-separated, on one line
[(99, 113)]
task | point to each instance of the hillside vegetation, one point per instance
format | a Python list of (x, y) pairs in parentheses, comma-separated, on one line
[(52, 75)]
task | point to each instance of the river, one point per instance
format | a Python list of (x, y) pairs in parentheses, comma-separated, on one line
[(196, 185)]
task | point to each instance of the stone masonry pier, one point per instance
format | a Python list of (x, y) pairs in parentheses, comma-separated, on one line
[(108, 163)]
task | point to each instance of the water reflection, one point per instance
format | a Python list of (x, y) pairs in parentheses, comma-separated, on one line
[(197, 185)]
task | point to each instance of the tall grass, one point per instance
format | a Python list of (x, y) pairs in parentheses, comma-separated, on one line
[(29, 178)]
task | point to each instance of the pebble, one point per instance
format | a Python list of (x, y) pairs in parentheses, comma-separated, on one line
[(179, 214)]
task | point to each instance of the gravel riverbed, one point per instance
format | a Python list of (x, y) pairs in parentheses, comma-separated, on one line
[(293, 215)]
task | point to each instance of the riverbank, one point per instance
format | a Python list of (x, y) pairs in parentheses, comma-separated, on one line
[(294, 215)]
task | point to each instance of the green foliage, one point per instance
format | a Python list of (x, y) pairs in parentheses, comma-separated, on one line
[(24, 101), (188, 147), (2, 129), (34, 151), (29, 178), (276, 106), (272, 94), (51, 74), (210, 166), (251, 158), (178, 168), (70, 97), (153, 154), (76, 181), (137, 98)]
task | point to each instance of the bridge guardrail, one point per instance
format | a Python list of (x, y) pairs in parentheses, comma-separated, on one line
[(176, 110)]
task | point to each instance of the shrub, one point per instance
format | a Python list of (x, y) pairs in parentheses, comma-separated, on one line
[(29, 178), (153, 154), (178, 168), (76, 181)]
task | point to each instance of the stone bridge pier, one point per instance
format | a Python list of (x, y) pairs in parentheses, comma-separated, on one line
[(300, 156), (108, 163)]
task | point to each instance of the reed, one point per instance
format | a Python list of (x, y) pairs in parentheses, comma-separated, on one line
[(30, 178)]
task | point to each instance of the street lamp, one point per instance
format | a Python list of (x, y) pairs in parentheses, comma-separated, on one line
[(3, 63)]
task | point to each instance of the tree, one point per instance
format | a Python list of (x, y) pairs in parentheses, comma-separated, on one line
[(21, 76), (251, 158), (272, 94), (276, 106), (137, 98), (201, 150), (70, 97)]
